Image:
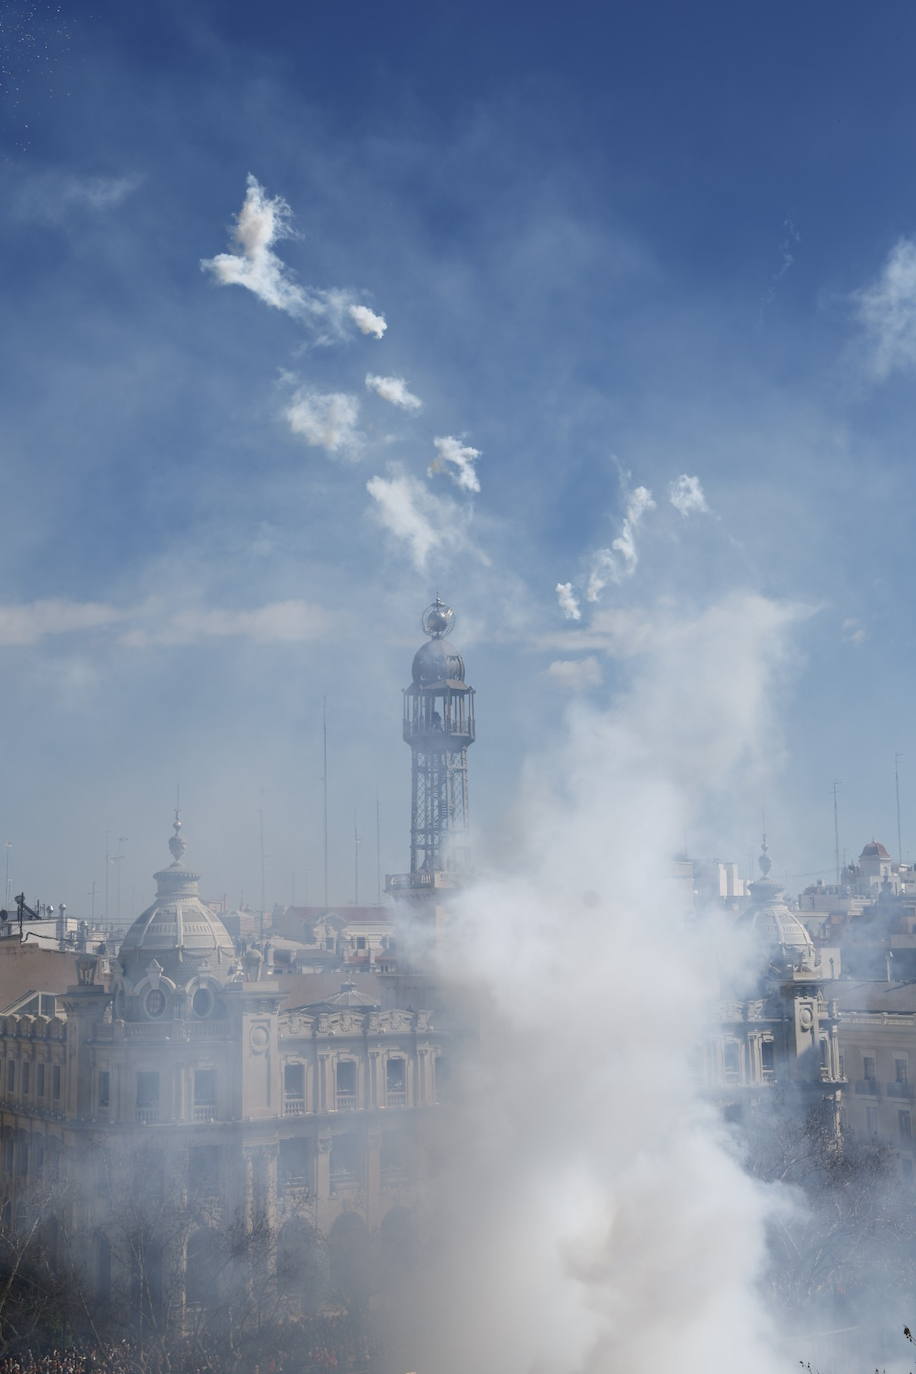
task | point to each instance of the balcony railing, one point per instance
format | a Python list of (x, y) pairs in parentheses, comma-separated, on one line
[(396, 1098), (204, 1111), (145, 1115), (346, 1102), (294, 1106), (900, 1090), (868, 1087)]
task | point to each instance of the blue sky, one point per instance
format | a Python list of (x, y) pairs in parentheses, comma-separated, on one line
[(614, 246)]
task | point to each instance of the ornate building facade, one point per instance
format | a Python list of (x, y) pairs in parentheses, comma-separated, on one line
[(149, 1122)]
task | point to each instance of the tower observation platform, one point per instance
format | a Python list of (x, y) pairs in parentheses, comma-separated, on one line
[(439, 727)]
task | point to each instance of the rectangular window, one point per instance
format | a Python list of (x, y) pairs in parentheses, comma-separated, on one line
[(346, 1083), (900, 1071), (11, 1075), (442, 1072), (26, 1076), (842, 1066), (905, 1126), (360, 942), (147, 1088), (868, 1067), (40, 1080), (396, 1082), (767, 1055), (731, 1060), (104, 1088), (294, 1080), (871, 1122), (906, 1168), (205, 1087), (55, 1082), (297, 1162)]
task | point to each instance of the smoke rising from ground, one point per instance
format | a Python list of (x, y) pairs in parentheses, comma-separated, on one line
[(592, 1213)]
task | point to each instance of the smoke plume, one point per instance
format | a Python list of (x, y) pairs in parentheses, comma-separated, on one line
[(409, 511), (618, 562), (687, 496), (593, 1216), (457, 459), (367, 321), (394, 390), (568, 601), (327, 420)]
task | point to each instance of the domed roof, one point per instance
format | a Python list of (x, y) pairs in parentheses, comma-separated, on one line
[(777, 928), (433, 664), (874, 850), (177, 922)]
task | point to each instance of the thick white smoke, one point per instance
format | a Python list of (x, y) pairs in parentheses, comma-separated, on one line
[(687, 496), (617, 563), (327, 420), (394, 390), (260, 224), (457, 459), (593, 1218)]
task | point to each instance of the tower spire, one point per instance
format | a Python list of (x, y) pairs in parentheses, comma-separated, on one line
[(439, 727)]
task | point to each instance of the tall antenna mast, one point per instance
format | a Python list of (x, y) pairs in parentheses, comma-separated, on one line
[(378, 850), (261, 839), (107, 871), (324, 779), (836, 831), (355, 858), (897, 758)]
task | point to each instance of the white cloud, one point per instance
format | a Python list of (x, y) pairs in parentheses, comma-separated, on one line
[(367, 321), (578, 674), (276, 622), (458, 460), (618, 562), (411, 512), (887, 309), (686, 495), (853, 631), (327, 420), (262, 221), (30, 622), (394, 390), (568, 601)]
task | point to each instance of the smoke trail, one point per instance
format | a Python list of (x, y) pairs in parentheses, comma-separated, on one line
[(592, 1216)]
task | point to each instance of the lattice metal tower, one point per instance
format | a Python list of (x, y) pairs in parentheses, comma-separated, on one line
[(439, 727)]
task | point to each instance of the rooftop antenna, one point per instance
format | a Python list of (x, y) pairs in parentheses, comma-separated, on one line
[(355, 858), (324, 780), (836, 830), (107, 870), (897, 758), (261, 843), (7, 899), (378, 850)]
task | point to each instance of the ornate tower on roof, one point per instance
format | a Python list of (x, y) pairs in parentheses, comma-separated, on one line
[(439, 727)]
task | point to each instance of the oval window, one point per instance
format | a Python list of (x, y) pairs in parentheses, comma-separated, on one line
[(155, 1002), (202, 1002)]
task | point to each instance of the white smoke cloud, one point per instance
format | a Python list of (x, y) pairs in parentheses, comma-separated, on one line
[(394, 390), (426, 523), (457, 459), (887, 310), (261, 223), (327, 420), (853, 631), (29, 622), (367, 321), (686, 495), (616, 1231), (568, 601), (578, 674), (619, 562)]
